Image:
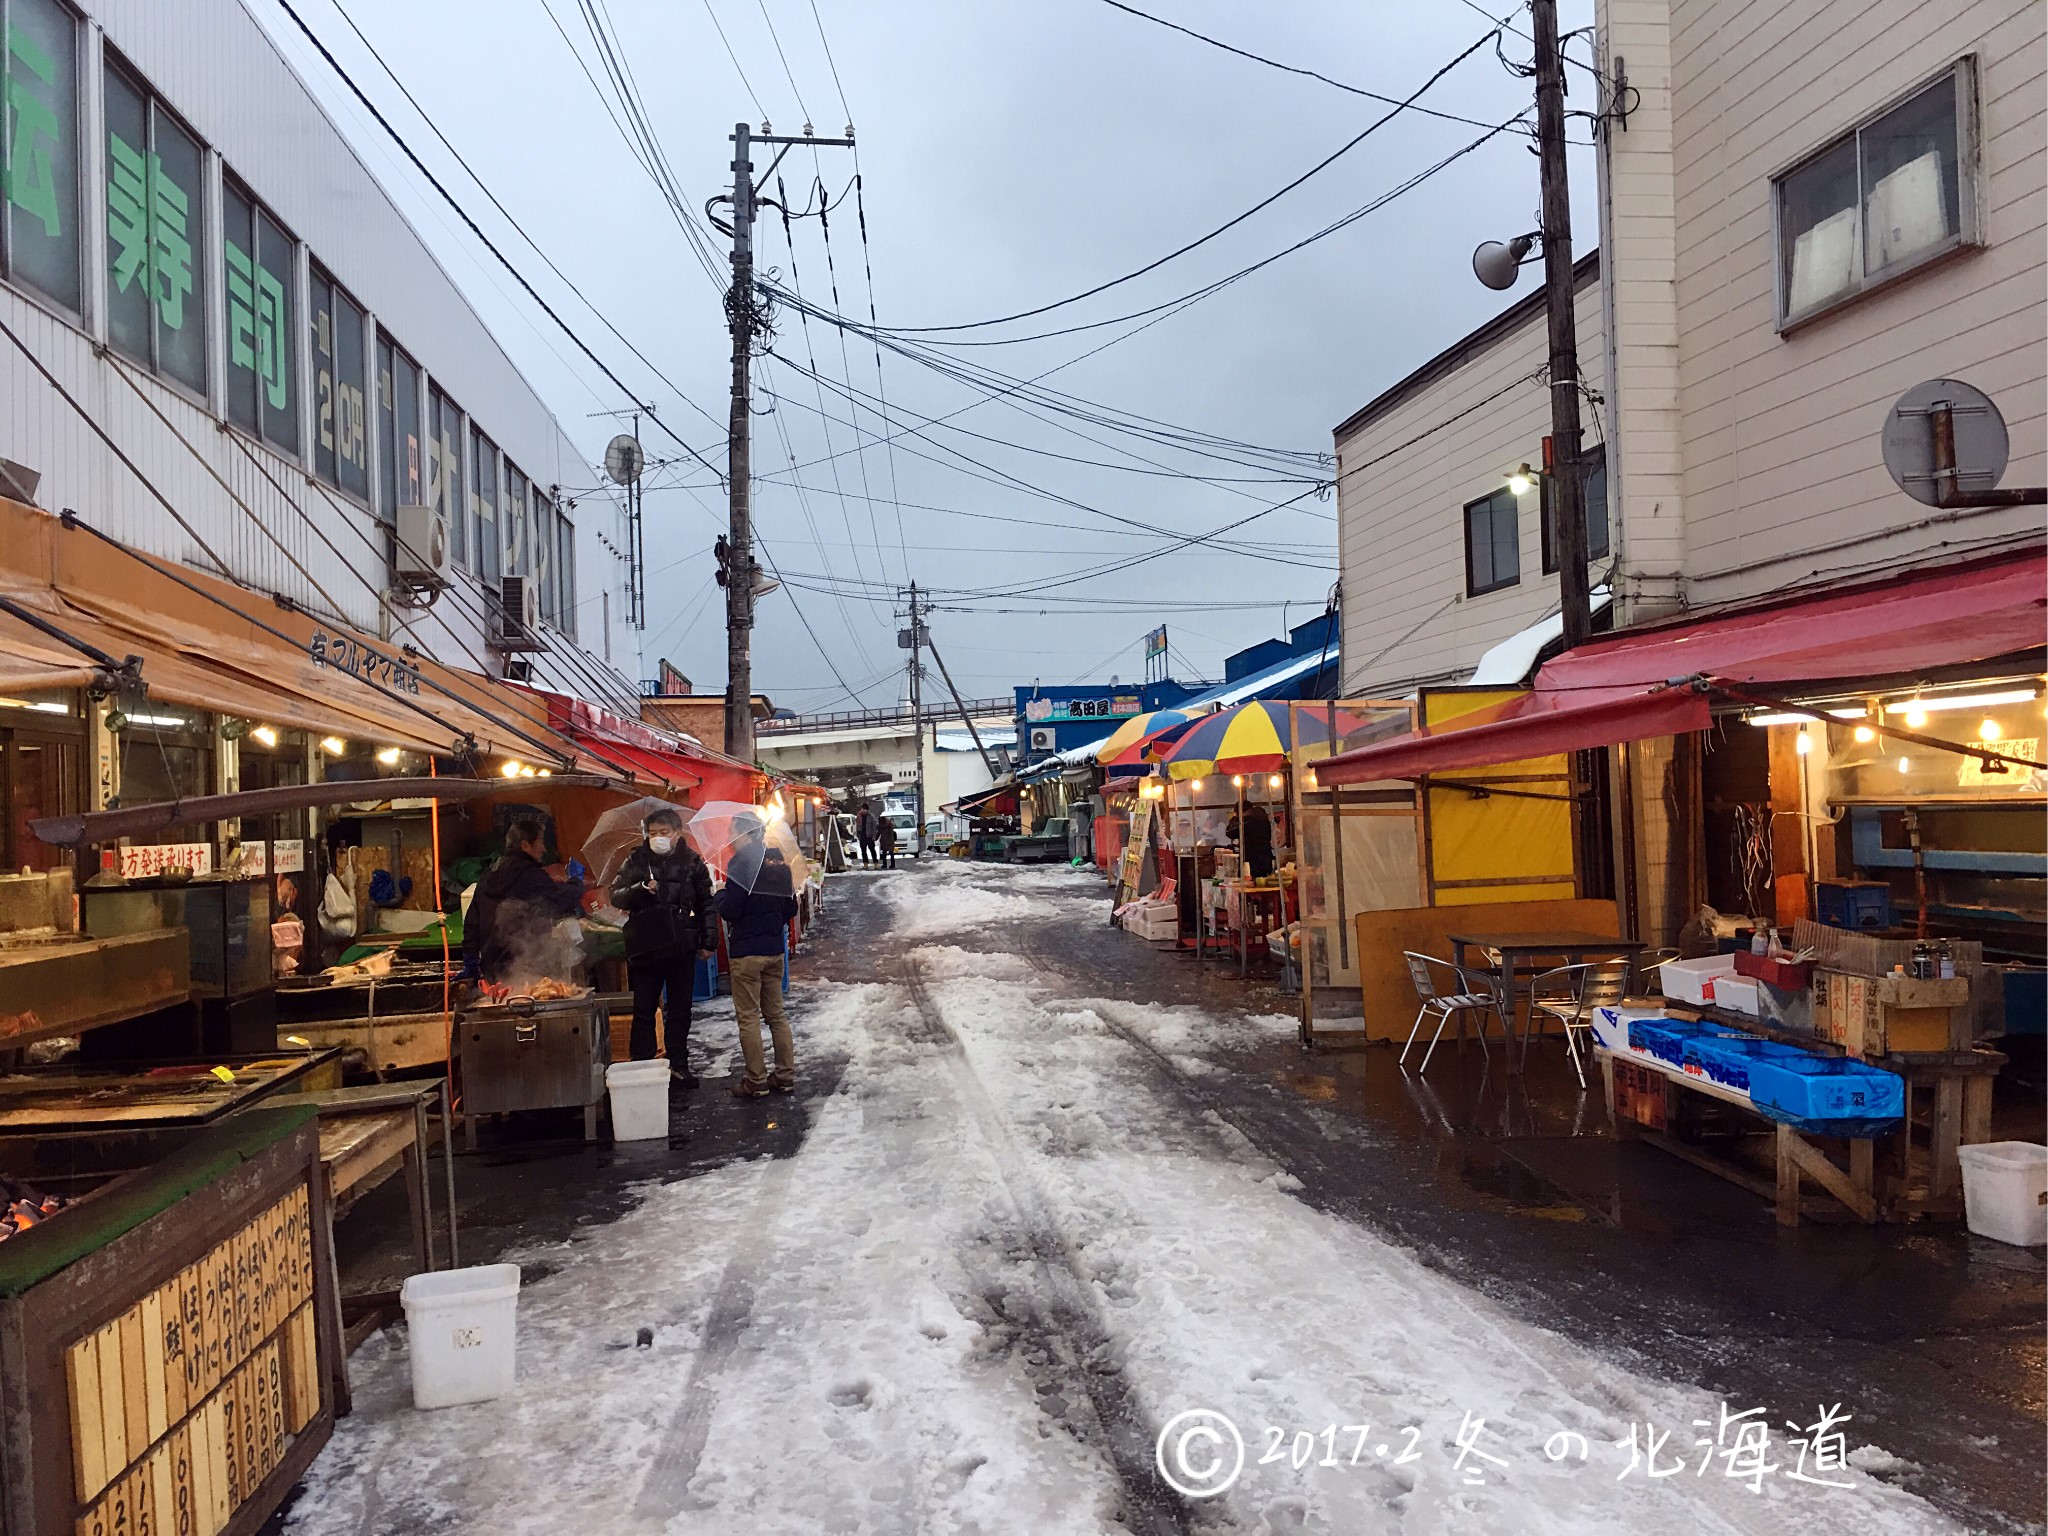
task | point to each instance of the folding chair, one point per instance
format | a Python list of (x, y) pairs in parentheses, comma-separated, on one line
[(1473, 991), (1648, 980), (1570, 993)]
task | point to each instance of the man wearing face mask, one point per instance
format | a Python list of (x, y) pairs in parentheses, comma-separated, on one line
[(664, 889)]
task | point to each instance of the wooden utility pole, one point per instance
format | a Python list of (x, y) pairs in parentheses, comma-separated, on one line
[(917, 636), (1567, 474), (741, 573)]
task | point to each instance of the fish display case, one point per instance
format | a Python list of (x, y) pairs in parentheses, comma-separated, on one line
[(166, 1335), (228, 923)]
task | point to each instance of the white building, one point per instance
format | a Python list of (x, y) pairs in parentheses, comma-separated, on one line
[(225, 346)]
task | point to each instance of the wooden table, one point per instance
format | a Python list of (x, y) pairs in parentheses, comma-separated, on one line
[(1519, 949), (1249, 896)]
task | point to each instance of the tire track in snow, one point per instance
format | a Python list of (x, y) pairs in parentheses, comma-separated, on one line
[(1059, 1322)]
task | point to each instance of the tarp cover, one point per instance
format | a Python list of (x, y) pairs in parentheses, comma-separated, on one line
[(1647, 682)]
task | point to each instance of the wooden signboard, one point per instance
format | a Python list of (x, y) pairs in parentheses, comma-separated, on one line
[(170, 1381), (1131, 873)]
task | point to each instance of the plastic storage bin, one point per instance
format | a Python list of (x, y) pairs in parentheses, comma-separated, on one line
[(2005, 1191), (1665, 1038), (461, 1323), (705, 983), (639, 1091), (1688, 981), (1727, 1060), (1828, 1095), (1738, 994), (1853, 903)]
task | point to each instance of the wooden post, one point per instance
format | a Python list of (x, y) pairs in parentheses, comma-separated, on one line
[(1788, 1179)]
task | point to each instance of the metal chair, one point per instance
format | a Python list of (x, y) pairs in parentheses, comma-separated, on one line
[(1570, 993), (1648, 980), (1473, 992)]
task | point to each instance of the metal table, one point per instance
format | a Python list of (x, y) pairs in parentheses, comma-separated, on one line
[(1518, 951)]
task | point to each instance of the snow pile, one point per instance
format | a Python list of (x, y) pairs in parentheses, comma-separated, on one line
[(951, 960), (925, 907)]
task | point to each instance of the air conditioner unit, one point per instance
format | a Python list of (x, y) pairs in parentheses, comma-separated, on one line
[(1044, 739), (518, 615), (426, 557)]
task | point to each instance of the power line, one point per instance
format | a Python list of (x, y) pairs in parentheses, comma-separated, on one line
[(832, 64), (741, 68), (1263, 203), (787, 73)]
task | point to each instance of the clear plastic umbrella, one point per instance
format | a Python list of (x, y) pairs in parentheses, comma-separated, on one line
[(747, 845), (618, 832)]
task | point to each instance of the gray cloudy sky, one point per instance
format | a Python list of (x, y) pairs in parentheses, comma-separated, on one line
[(1014, 152)]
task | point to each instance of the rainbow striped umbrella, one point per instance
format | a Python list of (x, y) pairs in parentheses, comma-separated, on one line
[(1253, 737), (1135, 730)]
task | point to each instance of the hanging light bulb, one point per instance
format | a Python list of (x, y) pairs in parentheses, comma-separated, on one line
[(265, 734), (1272, 781), (1804, 743), (1237, 781), (511, 768), (1195, 785), (1987, 730), (1520, 481), (388, 757), (1865, 734), (333, 746), (1916, 714), (1905, 765)]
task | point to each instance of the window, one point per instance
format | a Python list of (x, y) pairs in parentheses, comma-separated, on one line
[(398, 427), (1599, 541), (1493, 548), (491, 550), (444, 470), (1888, 196), (39, 239), (341, 427), (156, 305), (262, 357), (513, 518), (565, 568)]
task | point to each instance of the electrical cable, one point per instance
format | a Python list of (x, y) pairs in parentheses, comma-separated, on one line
[(787, 73), (739, 67)]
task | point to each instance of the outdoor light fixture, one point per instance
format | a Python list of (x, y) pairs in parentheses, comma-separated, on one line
[(1310, 778), (116, 721), (1520, 481), (1865, 734), (511, 768), (1804, 743), (1905, 765), (1923, 707), (1196, 785), (1987, 730), (547, 773), (1497, 265), (1237, 781), (388, 757), (526, 773), (1915, 712), (233, 728), (333, 746), (1273, 781), (266, 734)]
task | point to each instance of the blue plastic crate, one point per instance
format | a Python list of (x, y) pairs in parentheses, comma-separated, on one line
[(1665, 1038), (1727, 1060), (706, 986), (1853, 903), (1829, 1095)]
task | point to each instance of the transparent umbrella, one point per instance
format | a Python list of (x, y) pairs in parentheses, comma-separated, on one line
[(618, 832), (748, 846)]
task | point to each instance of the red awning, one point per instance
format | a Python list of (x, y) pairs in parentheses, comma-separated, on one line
[(1659, 680)]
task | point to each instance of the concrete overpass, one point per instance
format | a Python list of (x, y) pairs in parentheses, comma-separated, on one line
[(874, 749)]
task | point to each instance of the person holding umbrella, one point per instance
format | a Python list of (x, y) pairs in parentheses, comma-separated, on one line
[(664, 889), (757, 933)]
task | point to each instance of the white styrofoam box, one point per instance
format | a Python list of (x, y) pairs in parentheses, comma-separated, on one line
[(639, 1093), (2005, 1191), (1686, 981), (460, 1325), (1610, 1027), (1738, 994)]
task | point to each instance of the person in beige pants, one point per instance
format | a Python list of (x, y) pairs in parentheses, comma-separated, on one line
[(757, 934)]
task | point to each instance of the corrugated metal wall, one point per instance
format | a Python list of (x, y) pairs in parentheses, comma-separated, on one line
[(268, 521)]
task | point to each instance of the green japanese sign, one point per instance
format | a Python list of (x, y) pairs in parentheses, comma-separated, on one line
[(148, 216), (257, 318), (39, 148), (34, 130)]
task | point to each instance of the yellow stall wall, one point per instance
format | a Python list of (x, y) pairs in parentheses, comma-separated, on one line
[(1498, 847)]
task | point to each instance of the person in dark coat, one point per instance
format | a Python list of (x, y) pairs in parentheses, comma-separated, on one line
[(868, 827), (1254, 840), (756, 935), (664, 889), (885, 839), (516, 904)]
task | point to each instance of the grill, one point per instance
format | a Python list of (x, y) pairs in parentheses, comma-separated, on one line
[(524, 1054)]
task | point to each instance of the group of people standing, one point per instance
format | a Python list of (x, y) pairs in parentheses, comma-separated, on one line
[(877, 835), (672, 918)]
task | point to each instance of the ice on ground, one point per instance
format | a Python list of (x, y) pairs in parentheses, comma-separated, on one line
[(1011, 1218), (924, 907), (952, 960)]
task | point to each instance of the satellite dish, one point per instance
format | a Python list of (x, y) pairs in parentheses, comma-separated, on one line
[(1972, 460), (624, 458)]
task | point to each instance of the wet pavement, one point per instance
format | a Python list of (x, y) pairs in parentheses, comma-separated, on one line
[(1512, 1184)]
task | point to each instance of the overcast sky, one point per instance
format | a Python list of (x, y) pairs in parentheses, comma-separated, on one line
[(1013, 153)]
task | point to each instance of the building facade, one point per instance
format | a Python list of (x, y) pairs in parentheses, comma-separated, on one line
[(226, 347)]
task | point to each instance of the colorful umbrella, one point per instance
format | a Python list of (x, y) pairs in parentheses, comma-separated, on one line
[(1135, 728), (1254, 737), (1148, 749)]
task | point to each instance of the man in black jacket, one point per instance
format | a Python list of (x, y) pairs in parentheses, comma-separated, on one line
[(665, 891), (517, 904)]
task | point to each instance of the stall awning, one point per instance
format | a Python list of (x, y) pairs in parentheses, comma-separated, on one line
[(213, 645), (1661, 680)]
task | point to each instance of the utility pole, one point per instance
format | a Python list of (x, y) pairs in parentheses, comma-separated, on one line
[(741, 314), (916, 638), (1567, 475)]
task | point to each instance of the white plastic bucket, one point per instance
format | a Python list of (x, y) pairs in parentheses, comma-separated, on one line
[(461, 1323), (639, 1092), (2005, 1191)]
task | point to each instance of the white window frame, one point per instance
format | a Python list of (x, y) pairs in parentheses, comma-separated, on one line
[(1969, 161)]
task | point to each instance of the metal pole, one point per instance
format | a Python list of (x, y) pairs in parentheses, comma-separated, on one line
[(739, 586), (1567, 480), (917, 713)]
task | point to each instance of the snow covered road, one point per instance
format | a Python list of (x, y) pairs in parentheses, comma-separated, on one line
[(1014, 1248)]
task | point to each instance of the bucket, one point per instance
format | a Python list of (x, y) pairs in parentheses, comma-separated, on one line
[(461, 1324), (2005, 1191), (639, 1092)]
